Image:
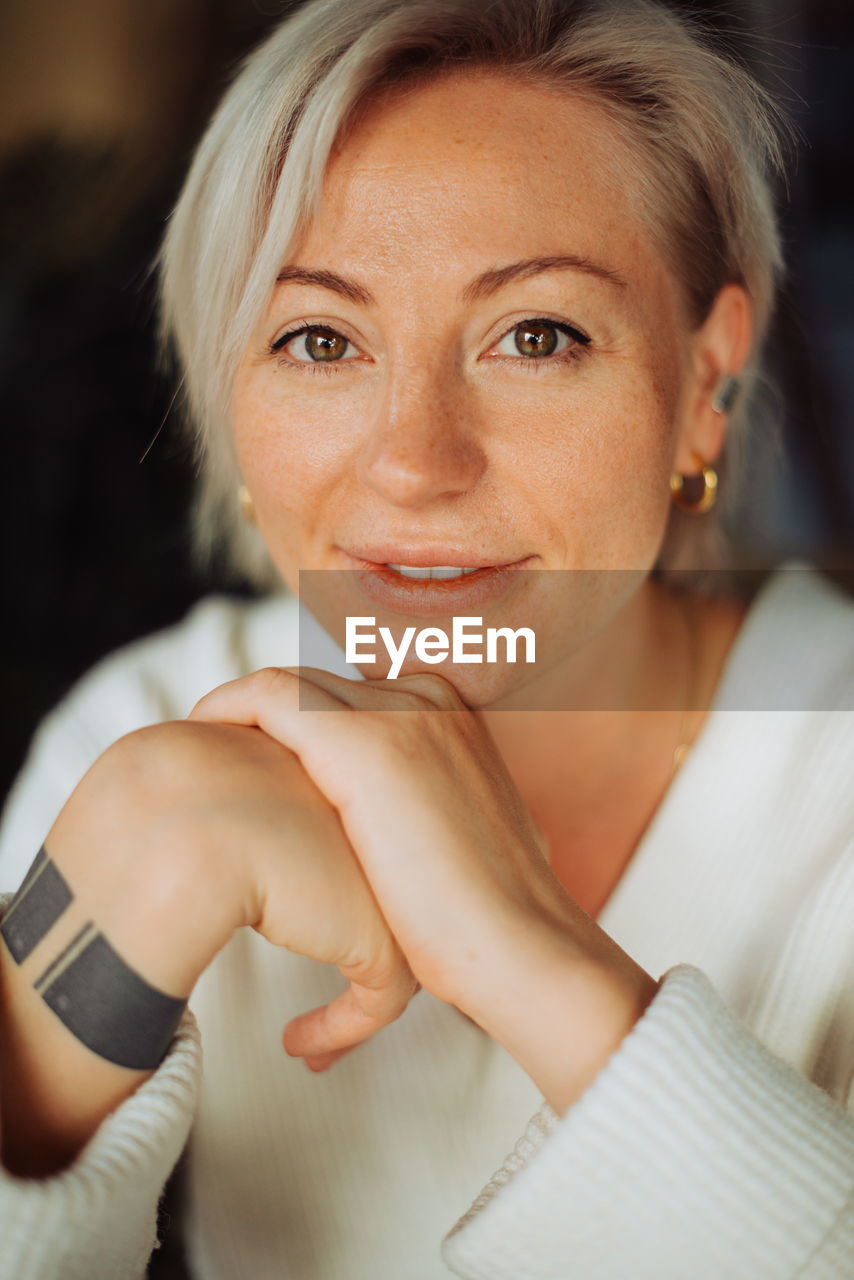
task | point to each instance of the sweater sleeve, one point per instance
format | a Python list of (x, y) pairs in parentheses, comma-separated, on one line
[(97, 1219), (695, 1152)]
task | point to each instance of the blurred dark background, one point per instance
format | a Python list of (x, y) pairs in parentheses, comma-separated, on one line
[(101, 104)]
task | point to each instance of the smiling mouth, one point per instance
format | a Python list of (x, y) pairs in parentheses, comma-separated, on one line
[(425, 589)]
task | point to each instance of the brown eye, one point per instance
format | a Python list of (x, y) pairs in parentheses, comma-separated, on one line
[(325, 344), (536, 339), (314, 344), (539, 338)]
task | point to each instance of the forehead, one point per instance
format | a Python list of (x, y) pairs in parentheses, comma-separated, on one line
[(478, 165)]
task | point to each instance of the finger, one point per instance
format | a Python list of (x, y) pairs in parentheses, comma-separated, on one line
[(321, 1061), (331, 747), (341, 1024), (411, 690), (237, 701), (311, 688), (294, 682), (372, 1001), (271, 699)]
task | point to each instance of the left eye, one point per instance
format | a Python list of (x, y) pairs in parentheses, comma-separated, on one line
[(537, 339), (315, 345)]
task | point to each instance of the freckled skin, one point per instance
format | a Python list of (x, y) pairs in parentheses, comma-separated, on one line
[(425, 433), (430, 431)]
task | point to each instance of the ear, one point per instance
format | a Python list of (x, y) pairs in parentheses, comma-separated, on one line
[(719, 349)]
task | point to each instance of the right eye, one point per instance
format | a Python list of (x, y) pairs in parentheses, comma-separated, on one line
[(315, 344)]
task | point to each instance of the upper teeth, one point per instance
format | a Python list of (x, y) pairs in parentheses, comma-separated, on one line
[(429, 571)]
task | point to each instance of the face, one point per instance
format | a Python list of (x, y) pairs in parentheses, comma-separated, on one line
[(474, 358)]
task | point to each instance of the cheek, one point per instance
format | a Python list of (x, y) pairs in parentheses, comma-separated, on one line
[(597, 459), (292, 447)]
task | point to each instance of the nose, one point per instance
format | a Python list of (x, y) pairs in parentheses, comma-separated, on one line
[(424, 442)]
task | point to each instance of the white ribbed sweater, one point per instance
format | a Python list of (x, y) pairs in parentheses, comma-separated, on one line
[(701, 1151)]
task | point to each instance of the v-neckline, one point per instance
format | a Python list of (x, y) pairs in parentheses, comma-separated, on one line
[(658, 856)]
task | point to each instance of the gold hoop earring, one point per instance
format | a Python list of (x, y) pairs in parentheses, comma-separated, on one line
[(247, 506), (706, 499)]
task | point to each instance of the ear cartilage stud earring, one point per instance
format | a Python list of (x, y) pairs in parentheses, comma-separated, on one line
[(726, 394)]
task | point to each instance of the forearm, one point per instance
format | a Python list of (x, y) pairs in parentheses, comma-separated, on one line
[(98, 1217), (54, 1089), (133, 900), (54, 1092)]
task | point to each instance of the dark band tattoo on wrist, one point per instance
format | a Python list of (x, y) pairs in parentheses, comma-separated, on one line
[(107, 1005), (35, 908)]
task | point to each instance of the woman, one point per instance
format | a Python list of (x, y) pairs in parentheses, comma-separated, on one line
[(454, 289)]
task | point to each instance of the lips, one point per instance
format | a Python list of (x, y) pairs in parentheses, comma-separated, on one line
[(424, 557), (432, 582)]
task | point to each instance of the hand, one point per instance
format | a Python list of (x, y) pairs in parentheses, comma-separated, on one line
[(266, 850), (178, 835), (455, 863)]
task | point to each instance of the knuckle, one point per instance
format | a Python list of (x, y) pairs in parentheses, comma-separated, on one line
[(394, 698), (386, 984), (383, 1005), (434, 689), (398, 744), (271, 679)]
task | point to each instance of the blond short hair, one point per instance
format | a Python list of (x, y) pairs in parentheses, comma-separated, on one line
[(705, 142)]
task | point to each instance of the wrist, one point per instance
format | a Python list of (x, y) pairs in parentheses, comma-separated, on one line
[(561, 1009), (142, 864), (173, 913)]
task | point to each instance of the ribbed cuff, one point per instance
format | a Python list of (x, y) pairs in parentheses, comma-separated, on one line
[(97, 1219), (694, 1155)]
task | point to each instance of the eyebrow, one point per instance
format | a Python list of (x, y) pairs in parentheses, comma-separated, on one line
[(326, 280), (488, 282), (491, 281)]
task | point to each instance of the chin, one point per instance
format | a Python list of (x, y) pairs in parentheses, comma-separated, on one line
[(481, 688)]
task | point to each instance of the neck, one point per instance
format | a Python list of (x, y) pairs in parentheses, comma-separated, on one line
[(638, 666), (593, 776)]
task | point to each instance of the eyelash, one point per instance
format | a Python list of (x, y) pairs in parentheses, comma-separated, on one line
[(306, 366), (577, 350), (570, 354)]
